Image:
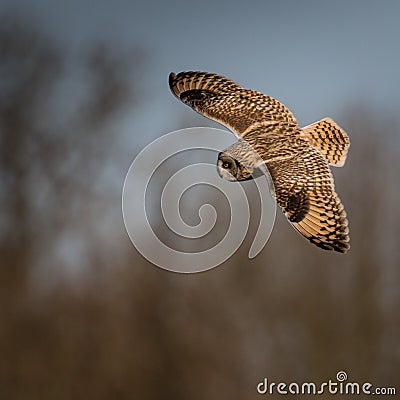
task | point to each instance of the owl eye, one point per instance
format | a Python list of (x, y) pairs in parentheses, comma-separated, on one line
[(225, 164)]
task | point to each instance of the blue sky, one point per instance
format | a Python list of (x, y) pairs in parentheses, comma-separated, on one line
[(317, 57)]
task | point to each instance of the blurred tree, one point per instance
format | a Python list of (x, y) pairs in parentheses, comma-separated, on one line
[(55, 146), (126, 329)]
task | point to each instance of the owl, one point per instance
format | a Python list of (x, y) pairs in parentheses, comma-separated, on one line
[(297, 159)]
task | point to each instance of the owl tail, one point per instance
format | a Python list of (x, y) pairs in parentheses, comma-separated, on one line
[(330, 139)]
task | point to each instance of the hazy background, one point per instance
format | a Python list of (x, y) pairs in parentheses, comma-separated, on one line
[(83, 88)]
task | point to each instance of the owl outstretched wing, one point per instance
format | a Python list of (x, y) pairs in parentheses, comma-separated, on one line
[(304, 190), (228, 103)]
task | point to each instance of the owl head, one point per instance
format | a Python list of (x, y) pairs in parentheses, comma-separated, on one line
[(232, 170)]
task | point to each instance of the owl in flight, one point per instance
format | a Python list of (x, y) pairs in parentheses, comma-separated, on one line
[(297, 159)]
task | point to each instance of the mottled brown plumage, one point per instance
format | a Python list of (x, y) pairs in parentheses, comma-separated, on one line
[(297, 159), (330, 139)]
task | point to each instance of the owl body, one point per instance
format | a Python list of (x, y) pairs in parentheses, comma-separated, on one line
[(297, 158)]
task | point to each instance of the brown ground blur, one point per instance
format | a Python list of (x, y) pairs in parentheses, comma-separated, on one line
[(83, 316)]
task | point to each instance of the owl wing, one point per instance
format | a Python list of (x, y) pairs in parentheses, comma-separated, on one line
[(304, 189), (226, 102)]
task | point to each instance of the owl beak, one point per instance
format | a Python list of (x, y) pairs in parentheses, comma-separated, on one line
[(225, 174)]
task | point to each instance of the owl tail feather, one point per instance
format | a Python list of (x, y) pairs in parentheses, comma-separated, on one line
[(330, 139)]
